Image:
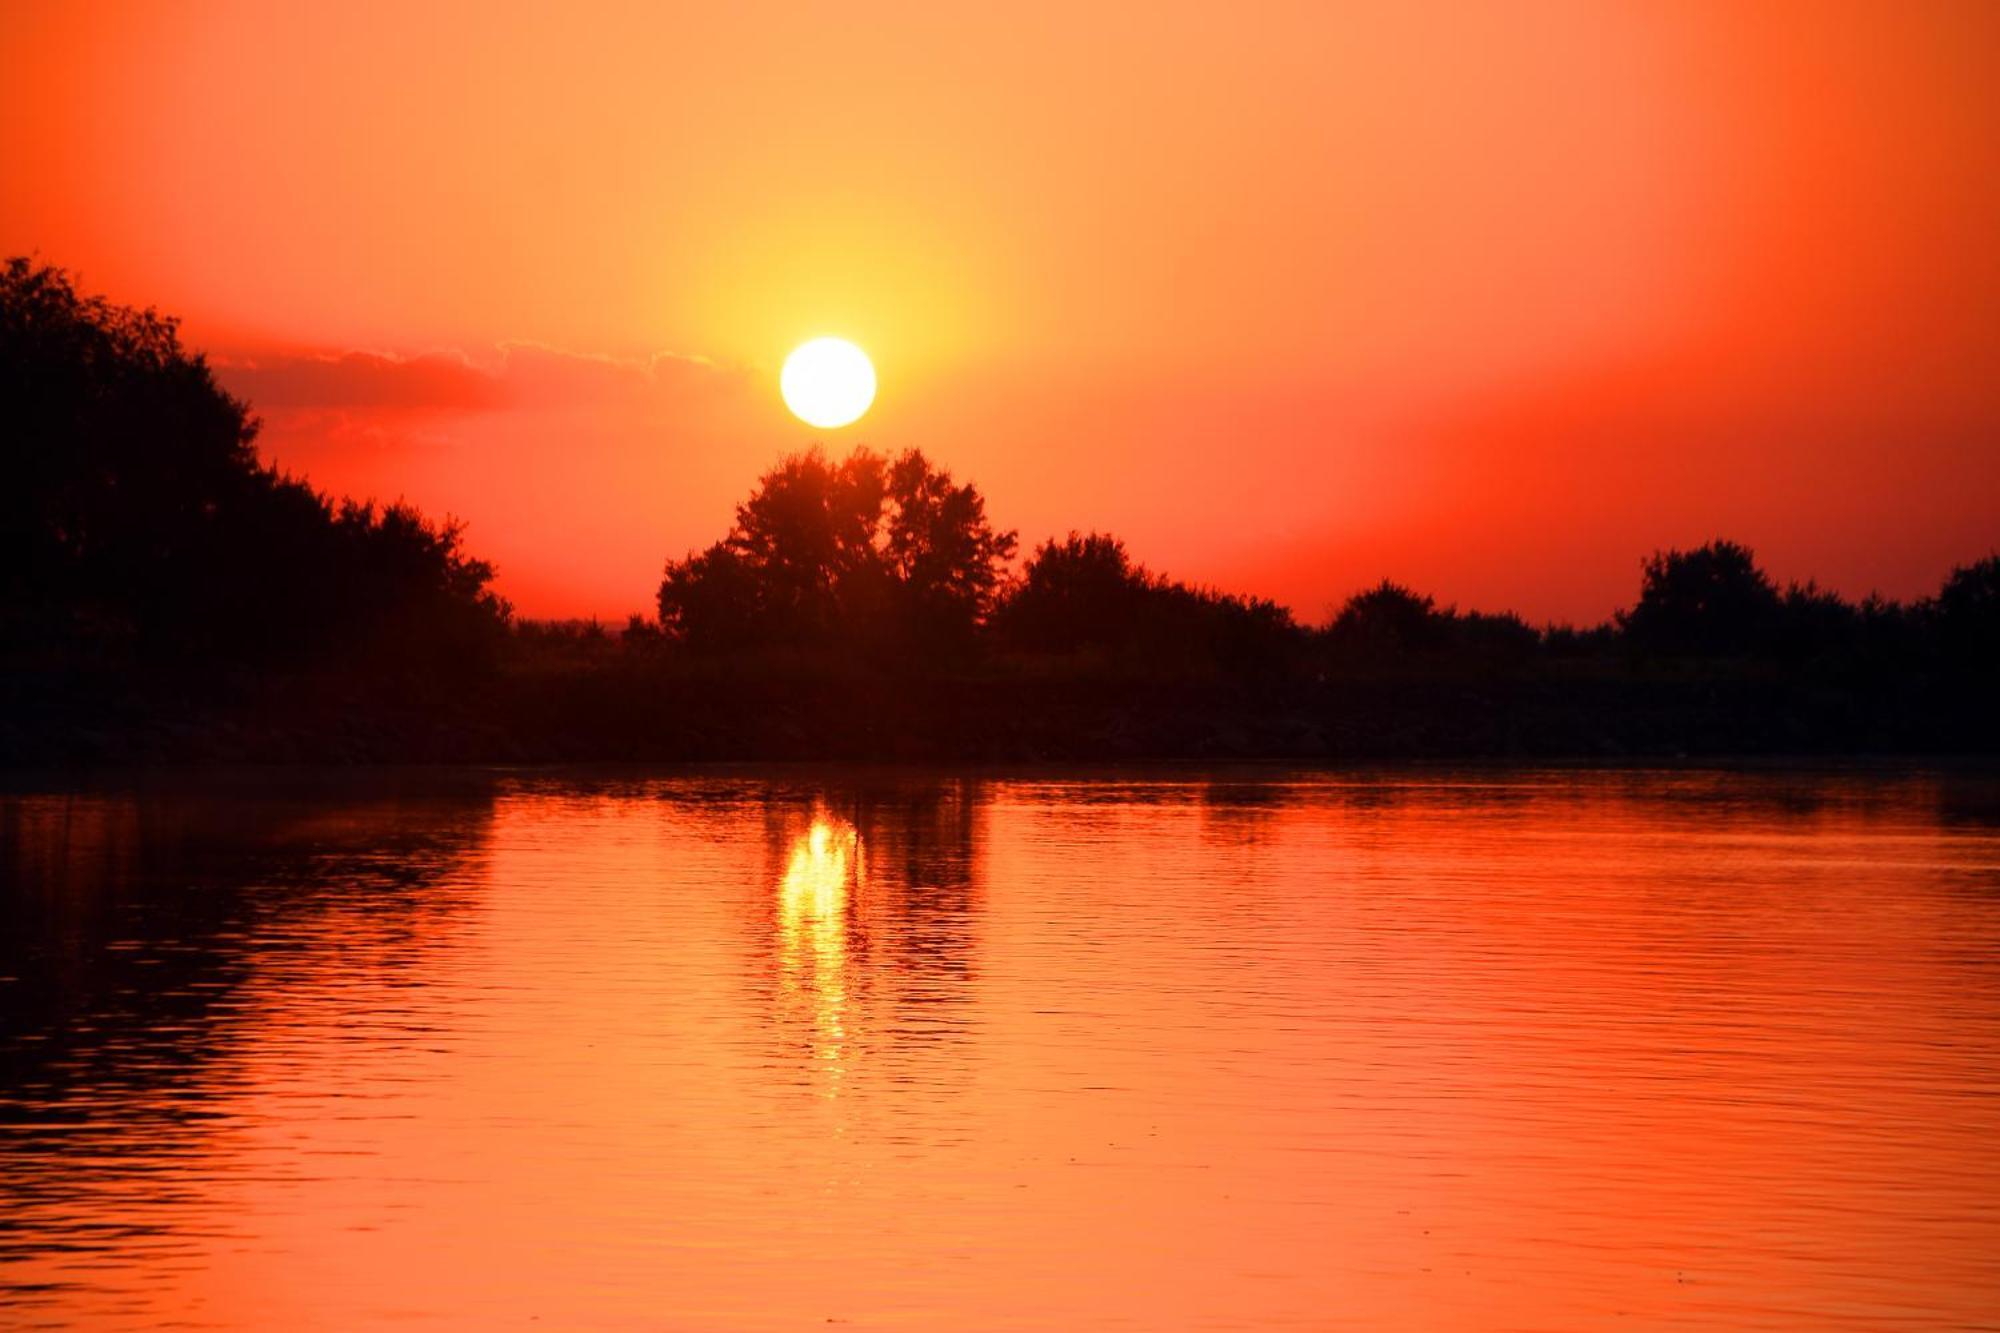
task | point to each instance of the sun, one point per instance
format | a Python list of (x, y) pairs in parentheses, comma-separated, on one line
[(828, 382)]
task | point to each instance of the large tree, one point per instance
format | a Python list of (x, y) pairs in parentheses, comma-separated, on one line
[(945, 557), (863, 553), (134, 511)]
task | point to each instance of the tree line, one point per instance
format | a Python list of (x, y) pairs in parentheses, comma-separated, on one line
[(891, 561), (139, 526)]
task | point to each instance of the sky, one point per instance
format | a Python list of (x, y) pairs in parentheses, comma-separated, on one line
[(1490, 299)]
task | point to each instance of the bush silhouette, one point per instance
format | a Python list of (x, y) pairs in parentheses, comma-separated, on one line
[(1077, 593), (1388, 618), (135, 515), (1082, 595), (1389, 623)]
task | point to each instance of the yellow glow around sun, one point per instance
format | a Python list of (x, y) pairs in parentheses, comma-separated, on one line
[(828, 382)]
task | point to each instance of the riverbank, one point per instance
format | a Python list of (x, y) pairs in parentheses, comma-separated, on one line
[(634, 708)]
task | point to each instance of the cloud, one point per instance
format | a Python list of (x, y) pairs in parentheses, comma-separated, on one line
[(550, 376), (285, 382), (308, 437), (516, 375)]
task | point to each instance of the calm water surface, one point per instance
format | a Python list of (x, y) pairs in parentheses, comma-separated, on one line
[(1540, 1050)]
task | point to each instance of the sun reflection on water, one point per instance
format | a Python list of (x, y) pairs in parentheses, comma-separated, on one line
[(815, 902)]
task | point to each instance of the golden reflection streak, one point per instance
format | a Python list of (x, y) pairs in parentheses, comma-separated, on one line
[(813, 898)]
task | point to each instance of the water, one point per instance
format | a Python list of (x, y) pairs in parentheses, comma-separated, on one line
[(1536, 1050)]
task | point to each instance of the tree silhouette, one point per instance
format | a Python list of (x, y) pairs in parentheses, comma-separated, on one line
[(945, 557), (862, 554), (1387, 618), (1390, 623), (1082, 595), (713, 601), (1080, 592), (807, 536), (146, 552), (134, 513), (1815, 623), (1964, 617), (121, 455), (1709, 602)]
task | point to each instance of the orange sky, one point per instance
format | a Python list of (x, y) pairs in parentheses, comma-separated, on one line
[(1491, 299)]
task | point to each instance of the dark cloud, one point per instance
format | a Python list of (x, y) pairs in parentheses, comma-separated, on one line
[(522, 375), (294, 382)]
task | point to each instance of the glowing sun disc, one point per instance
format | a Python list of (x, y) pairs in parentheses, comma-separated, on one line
[(828, 382)]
